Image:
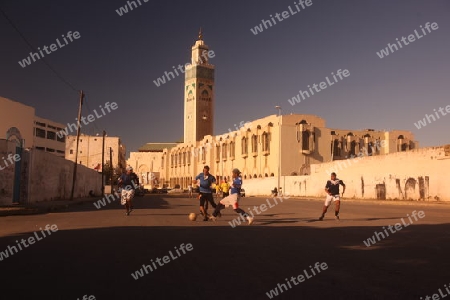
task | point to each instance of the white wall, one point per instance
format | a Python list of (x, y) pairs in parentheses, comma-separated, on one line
[(361, 175), (6, 172), (50, 178)]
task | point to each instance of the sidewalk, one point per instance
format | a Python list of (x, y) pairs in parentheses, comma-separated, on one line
[(43, 207)]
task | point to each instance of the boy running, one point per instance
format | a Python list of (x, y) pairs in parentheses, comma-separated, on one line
[(332, 189), (233, 199), (128, 183)]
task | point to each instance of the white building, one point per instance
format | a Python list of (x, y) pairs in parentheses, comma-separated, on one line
[(38, 133)]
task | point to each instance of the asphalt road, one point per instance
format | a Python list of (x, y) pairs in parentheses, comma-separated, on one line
[(95, 251)]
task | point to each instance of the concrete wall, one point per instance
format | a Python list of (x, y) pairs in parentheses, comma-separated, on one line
[(418, 175), (6, 172), (50, 178)]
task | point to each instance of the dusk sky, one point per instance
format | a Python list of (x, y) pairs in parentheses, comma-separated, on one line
[(117, 58)]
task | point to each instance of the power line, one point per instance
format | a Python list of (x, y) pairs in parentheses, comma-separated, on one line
[(34, 50), (90, 110)]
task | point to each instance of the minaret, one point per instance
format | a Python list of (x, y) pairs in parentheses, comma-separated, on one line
[(199, 93)]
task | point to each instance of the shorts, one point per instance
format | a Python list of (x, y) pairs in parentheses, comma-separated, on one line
[(127, 195), (206, 197), (232, 200), (331, 198)]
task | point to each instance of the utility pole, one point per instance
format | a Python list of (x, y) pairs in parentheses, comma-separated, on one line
[(74, 177), (103, 164), (111, 169)]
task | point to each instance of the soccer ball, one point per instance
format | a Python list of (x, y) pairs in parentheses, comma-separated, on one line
[(192, 216)]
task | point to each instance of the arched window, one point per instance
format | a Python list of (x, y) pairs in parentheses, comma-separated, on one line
[(265, 142), (224, 151), (244, 146), (254, 143), (232, 149), (203, 153), (217, 152)]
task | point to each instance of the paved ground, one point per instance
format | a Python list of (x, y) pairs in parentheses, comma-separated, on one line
[(95, 251)]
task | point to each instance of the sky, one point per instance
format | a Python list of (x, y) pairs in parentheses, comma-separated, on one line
[(117, 58)]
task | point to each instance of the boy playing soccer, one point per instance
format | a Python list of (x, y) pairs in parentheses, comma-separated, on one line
[(232, 199), (332, 189)]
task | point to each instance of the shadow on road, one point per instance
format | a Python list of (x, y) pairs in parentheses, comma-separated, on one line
[(228, 263)]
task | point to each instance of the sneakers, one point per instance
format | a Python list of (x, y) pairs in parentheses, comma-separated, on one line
[(337, 218), (321, 218), (250, 220), (212, 218), (219, 215), (127, 213)]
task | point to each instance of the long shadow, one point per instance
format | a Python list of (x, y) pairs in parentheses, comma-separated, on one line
[(228, 263), (146, 202)]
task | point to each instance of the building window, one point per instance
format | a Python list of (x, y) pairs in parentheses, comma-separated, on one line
[(52, 127), (50, 150), (224, 151), (203, 153), (39, 133), (40, 148), (244, 146), (40, 124), (232, 149), (184, 158), (217, 152), (60, 151), (305, 140), (188, 157), (336, 148), (254, 143), (61, 138), (265, 142), (71, 151), (51, 135)]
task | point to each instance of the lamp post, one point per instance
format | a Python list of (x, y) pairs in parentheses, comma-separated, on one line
[(279, 147)]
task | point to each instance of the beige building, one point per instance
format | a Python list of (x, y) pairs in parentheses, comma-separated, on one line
[(286, 145), (255, 150), (148, 164), (45, 137), (36, 132), (90, 151)]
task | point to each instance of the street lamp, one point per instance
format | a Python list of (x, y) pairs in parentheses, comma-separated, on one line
[(279, 147)]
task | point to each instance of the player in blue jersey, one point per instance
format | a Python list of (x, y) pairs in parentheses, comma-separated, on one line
[(233, 199), (205, 181)]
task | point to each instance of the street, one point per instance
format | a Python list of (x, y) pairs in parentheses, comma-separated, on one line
[(102, 252)]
